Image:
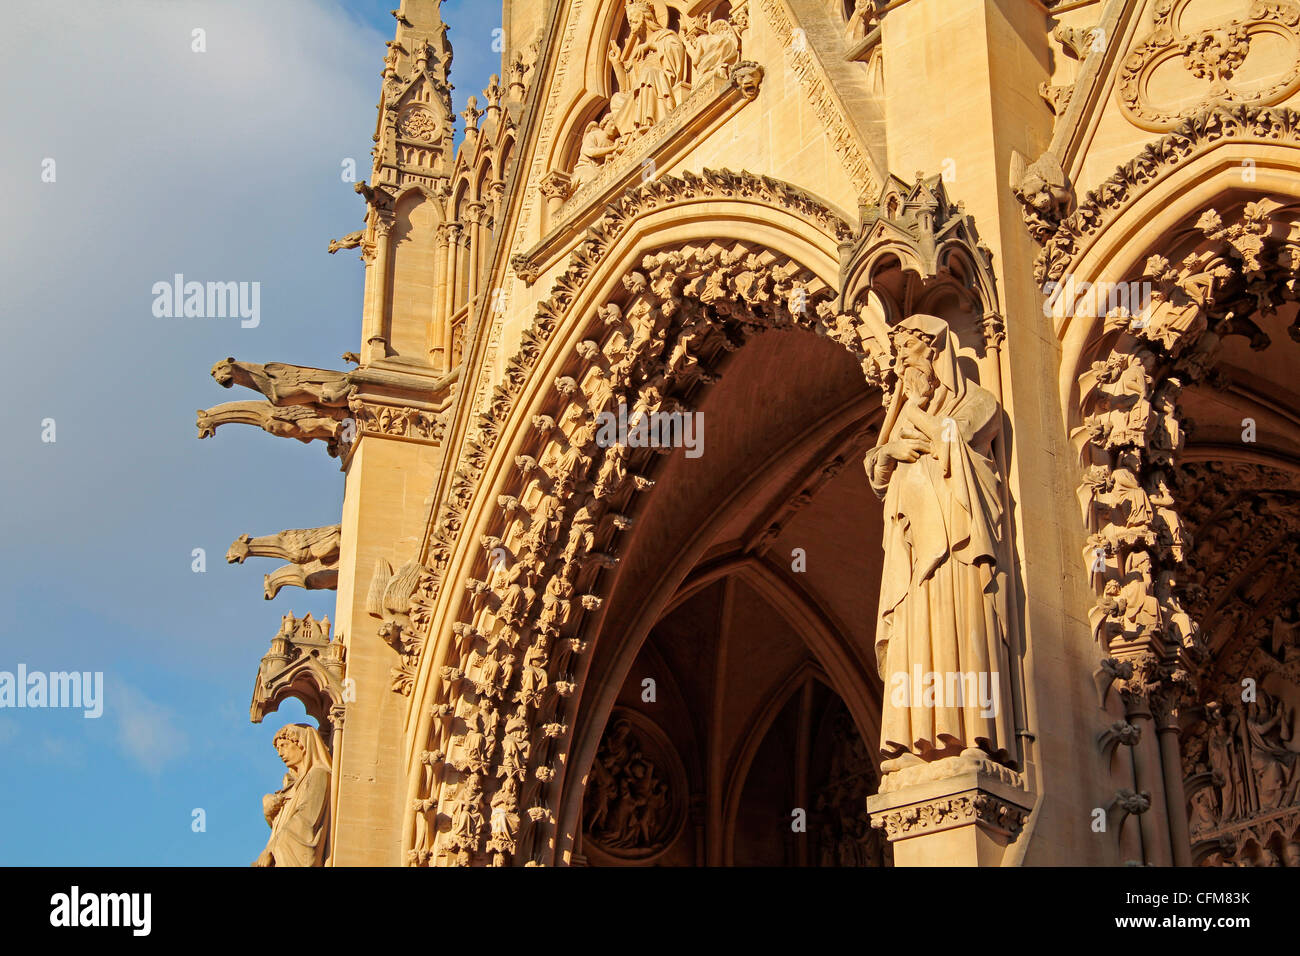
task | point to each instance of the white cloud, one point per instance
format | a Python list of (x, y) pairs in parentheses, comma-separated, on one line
[(147, 732)]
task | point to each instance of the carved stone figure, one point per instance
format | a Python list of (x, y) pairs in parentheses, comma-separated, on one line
[(714, 46), (650, 69), (313, 554), (941, 610), (298, 813), (863, 19), (599, 141), (1263, 716), (533, 679), (467, 823), (515, 745), (286, 384)]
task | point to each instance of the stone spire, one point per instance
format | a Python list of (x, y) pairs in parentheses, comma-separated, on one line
[(415, 135), (421, 20)]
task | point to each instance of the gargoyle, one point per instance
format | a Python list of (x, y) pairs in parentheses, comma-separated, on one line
[(312, 553), (350, 241), (286, 384), (306, 423), (376, 196)]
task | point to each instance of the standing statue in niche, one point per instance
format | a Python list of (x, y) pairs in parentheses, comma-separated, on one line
[(649, 69), (941, 642), (298, 812)]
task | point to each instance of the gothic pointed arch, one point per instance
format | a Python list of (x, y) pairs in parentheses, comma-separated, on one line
[(1171, 360), (661, 320), (827, 811)]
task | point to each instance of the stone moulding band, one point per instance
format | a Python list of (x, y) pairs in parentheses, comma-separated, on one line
[(1191, 138)]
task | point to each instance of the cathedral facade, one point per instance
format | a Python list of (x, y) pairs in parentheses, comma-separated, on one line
[(806, 432)]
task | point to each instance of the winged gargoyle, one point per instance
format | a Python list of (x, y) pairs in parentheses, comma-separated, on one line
[(302, 422), (389, 599), (312, 553), (309, 404), (286, 384)]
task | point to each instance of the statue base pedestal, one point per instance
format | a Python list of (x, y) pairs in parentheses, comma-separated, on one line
[(959, 811)]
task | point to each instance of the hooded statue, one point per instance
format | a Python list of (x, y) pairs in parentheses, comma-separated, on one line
[(941, 629), (299, 811)]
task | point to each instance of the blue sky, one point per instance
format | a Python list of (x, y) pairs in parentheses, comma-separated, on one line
[(223, 165)]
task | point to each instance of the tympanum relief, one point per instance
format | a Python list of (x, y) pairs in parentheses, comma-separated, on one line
[(635, 799), (654, 69)]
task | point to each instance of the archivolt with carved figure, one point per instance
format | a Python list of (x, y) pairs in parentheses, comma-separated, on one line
[(520, 647), (683, 310), (1188, 461)]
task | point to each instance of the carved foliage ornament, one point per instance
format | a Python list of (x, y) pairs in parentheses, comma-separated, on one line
[(1219, 60), (1212, 126), (984, 809), (399, 421), (421, 124)]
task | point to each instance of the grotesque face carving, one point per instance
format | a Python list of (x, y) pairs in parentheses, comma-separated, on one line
[(747, 76), (238, 550), (224, 372)]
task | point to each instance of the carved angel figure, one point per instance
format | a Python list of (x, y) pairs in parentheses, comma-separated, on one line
[(599, 142), (714, 47)]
